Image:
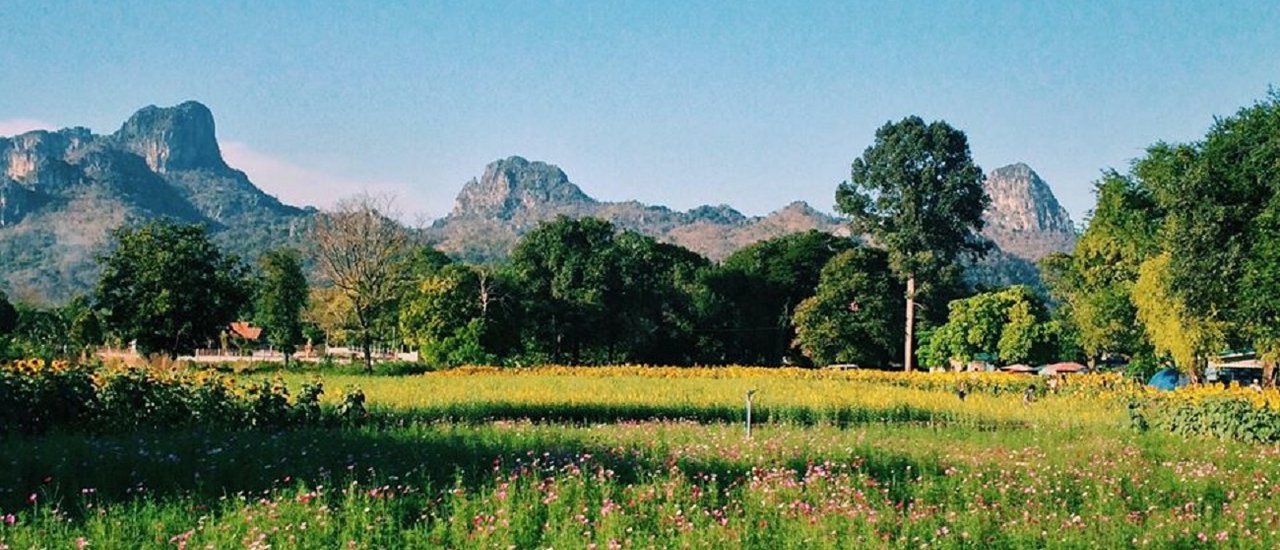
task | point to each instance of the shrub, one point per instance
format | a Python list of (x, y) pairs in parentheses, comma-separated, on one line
[(37, 396), (1228, 412)]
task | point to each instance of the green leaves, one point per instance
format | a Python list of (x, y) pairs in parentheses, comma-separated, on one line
[(917, 193), (282, 295), (450, 315), (854, 316), (591, 294), (1012, 323), (168, 287), (757, 291)]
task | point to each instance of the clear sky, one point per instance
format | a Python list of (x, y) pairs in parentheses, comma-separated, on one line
[(679, 103)]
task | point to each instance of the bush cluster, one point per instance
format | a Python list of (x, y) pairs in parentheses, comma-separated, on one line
[(38, 396), (1224, 416)]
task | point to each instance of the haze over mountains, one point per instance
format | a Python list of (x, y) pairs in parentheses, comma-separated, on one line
[(62, 192)]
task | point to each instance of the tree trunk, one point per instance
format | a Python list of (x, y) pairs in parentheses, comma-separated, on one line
[(368, 354), (1268, 373), (909, 359)]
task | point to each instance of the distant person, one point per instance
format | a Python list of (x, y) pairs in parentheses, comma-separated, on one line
[(1255, 386), (1029, 395), (1053, 383), (962, 389)]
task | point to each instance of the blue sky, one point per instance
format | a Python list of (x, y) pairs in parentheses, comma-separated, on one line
[(754, 104)]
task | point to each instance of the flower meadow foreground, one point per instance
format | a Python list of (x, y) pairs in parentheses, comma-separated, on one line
[(638, 457)]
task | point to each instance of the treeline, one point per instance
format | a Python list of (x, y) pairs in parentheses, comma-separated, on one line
[(583, 292), (574, 291), (1181, 257), (1180, 260)]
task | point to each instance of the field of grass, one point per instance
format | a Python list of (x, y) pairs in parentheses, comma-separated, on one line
[(653, 458)]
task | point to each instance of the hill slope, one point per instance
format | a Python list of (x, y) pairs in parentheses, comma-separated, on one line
[(62, 192), (514, 195)]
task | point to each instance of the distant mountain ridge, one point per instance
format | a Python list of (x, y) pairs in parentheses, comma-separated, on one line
[(62, 192), (514, 195), (1025, 220)]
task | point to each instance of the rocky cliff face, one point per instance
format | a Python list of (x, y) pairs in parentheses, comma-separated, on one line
[(1025, 219), (174, 138), (514, 186), (62, 192), (514, 195)]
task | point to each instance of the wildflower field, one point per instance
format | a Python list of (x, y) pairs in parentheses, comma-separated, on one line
[(644, 457)]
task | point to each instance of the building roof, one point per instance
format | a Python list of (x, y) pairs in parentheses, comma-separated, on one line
[(1057, 368), (244, 330)]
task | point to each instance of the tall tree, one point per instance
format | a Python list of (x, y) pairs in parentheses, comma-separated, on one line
[(167, 287), (917, 193), (853, 316), (361, 250), (282, 296), (1216, 195), (1094, 284)]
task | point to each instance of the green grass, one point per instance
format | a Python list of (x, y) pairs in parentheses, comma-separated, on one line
[(571, 463)]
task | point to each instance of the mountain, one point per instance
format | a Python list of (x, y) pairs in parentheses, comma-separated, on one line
[(62, 192), (514, 195), (1025, 219), (1025, 223)]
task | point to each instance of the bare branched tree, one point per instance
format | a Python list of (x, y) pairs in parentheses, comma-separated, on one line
[(361, 250)]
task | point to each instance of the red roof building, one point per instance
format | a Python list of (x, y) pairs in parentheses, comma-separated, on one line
[(244, 330)]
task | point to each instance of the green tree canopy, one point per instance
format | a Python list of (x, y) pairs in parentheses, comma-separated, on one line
[(917, 193), (459, 315), (282, 297), (1190, 233), (854, 316), (1013, 324), (168, 287), (749, 301), (1260, 289), (590, 294), (1094, 284)]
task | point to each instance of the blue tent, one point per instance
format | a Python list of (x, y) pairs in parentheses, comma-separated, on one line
[(1168, 379)]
